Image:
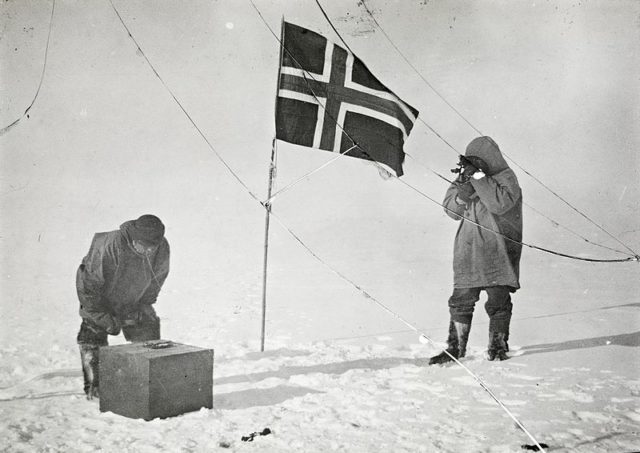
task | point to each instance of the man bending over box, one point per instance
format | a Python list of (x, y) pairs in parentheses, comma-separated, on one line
[(118, 282)]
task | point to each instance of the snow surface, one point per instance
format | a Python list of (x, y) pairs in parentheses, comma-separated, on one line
[(554, 82)]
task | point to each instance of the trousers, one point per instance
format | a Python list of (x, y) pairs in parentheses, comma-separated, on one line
[(498, 306)]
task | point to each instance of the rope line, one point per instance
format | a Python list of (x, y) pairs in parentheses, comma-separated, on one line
[(573, 207), (220, 158), (39, 396), (332, 26), (305, 176), (363, 2), (5, 129), (575, 233), (408, 324)]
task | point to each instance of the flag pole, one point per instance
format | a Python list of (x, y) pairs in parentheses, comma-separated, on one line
[(267, 204)]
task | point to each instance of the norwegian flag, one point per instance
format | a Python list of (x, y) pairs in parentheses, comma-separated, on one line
[(328, 99)]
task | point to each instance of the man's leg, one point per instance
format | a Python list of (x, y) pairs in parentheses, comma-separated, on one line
[(461, 305), (90, 338), (499, 309)]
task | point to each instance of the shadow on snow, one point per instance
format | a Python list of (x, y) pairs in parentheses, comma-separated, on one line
[(626, 339)]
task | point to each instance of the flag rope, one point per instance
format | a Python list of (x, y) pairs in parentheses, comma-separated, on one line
[(305, 176), (593, 222), (5, 129), (333, 27)]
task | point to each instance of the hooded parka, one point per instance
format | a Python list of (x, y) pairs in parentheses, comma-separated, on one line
[(482, 258), (114, 280)]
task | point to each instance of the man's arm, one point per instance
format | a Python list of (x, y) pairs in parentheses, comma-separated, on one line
[(90, 280), (454, 207), (499, 193)]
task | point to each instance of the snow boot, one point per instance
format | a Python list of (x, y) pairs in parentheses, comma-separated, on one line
[(462, 331), (497, 346), (452, 348), (89, 358), (456, 343)]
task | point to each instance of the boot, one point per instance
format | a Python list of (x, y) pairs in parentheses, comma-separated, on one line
[(89, 358), (462, 331), (497, 346), (452, 347)]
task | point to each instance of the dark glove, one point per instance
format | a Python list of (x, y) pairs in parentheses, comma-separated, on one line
[(468, 170), (465, 191)]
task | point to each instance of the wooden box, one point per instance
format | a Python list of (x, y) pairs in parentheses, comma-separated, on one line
[(155, 379)]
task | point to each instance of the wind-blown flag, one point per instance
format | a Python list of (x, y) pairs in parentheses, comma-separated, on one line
[(328, 99)]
